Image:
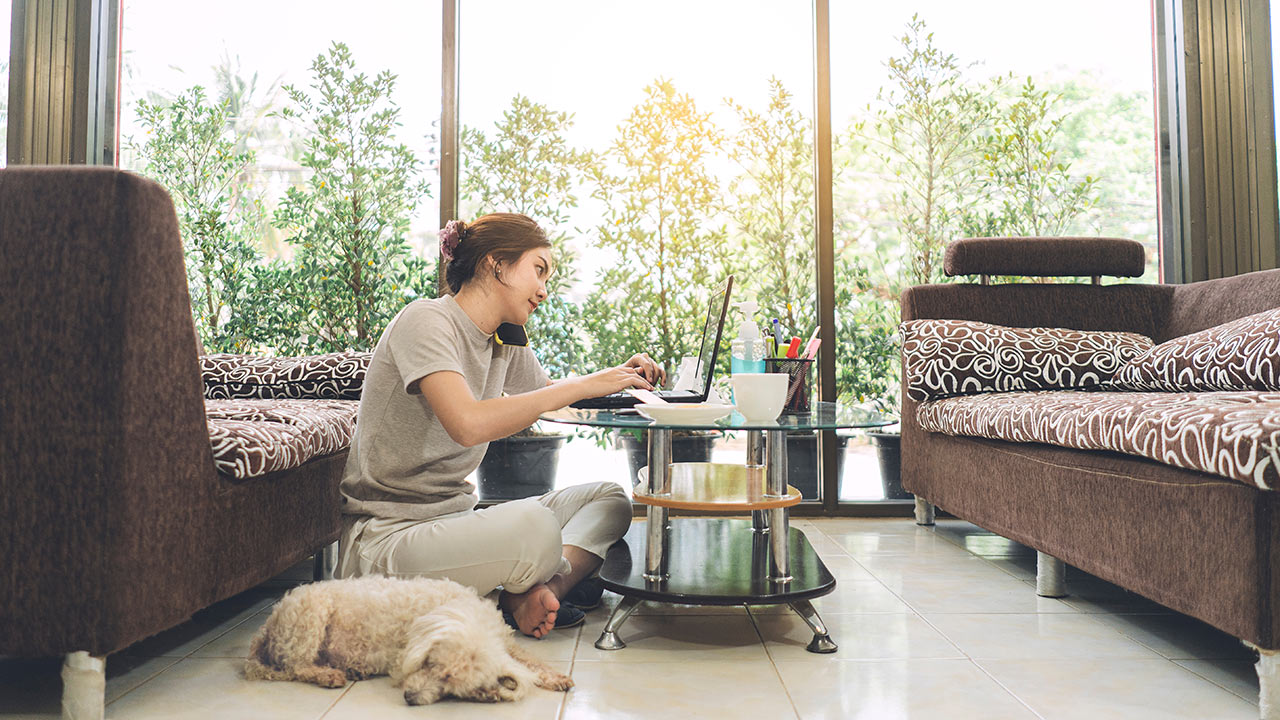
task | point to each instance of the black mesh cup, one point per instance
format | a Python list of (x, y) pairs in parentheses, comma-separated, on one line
[(798, 385)]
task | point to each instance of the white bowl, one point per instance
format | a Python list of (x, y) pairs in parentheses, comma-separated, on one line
[(684, 413), (760, 396)]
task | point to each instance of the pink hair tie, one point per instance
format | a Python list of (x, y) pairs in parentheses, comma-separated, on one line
[(450, 236)]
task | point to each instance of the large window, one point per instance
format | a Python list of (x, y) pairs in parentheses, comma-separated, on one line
[(992, 118), (308, 214), (664, 148)]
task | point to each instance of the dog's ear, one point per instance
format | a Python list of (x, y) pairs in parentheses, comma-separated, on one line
[(442, 625)]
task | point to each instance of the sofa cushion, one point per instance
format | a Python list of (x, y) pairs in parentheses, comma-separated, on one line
[(1232, 434), (942, 358), (333, 376), (256, 437), (1242, 354)]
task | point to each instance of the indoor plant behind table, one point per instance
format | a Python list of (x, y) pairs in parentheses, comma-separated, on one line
[(520, 465), (686, 446)]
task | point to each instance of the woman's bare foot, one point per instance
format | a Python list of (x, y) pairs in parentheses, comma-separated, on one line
[(534, 609)]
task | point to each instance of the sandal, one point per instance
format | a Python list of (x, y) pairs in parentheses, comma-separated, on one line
[(585, 595)]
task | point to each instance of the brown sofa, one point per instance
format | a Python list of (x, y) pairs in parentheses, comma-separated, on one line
[(1201, 544), (116, 524)]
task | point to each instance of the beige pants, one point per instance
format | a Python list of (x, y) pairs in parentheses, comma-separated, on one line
[(515, 544)]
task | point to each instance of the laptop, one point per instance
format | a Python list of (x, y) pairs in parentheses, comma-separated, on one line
[(708, 353)]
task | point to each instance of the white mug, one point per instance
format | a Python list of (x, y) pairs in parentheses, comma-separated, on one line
[(760, 396)]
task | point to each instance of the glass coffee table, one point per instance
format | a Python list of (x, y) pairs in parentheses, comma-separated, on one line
[(719, 561)]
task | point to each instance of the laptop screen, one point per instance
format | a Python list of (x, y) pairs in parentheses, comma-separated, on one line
[(712, 329)]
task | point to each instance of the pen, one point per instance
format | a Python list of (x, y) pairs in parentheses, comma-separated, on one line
[(777, 333)]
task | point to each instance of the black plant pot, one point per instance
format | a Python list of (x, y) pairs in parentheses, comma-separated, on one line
[(802, 462), (889, 453), (684, 448), (520, 467)]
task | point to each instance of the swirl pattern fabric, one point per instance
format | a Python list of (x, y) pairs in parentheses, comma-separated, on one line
[(1234, 435), (942, 358), (1243, 354), (333, 376), (256, 437)]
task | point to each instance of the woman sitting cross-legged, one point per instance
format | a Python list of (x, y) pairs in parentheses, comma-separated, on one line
[(439, 388)]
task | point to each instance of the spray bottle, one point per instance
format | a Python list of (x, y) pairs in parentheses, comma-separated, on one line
[(746, 354)]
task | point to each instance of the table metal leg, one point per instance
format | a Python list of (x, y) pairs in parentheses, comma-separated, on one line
[(755, 459), (609, 639), (776, 486), (656, 551), (821, 642)]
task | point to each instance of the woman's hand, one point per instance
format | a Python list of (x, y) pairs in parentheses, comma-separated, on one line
[(646, 366), (611, 380)]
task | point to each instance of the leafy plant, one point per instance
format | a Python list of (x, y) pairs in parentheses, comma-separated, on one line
[(353, 269), (927, 132), (191, 150), (660, 202), (771, 205), (1027, 186), (527, 167)]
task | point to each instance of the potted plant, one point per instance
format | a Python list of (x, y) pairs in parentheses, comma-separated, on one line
[(520, 465)]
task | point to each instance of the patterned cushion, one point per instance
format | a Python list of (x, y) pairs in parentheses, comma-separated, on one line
[(1232, 434), (335, 376), (1243, 354), (942, 358), (256, 437)]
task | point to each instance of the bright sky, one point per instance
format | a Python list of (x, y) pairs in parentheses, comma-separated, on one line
[(593, 57)]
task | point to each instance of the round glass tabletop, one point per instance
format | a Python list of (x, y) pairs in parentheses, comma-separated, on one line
[(824, 416)]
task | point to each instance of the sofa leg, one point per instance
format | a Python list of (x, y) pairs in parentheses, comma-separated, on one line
[(924, 511), (1051, 576), (84, 686), (326, 561), (1268, 667)]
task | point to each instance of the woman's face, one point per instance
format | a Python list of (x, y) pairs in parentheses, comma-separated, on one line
[(523, 284)]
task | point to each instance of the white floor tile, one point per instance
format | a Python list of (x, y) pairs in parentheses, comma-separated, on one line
[(378, 698), (1036, 636), (897, 689), (1115, 689), (215, 689), (677, 688), (859, 637)]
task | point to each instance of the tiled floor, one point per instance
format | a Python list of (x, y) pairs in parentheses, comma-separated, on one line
[(931, 623)]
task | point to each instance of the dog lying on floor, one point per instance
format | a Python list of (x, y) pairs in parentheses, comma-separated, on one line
[(435, 638)]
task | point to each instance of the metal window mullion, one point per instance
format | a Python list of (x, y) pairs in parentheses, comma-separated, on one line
[(824, 250), (449, 128)]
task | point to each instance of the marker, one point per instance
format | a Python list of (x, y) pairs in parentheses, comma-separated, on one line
[(811, 350), (777, 333), (812, 337), (793, 350), (770, 347)]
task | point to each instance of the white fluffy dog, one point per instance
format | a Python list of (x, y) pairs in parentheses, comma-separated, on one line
[(435, 638)]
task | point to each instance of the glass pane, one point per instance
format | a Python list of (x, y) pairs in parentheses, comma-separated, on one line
[(996, 118), (660, 156), (306, 228)]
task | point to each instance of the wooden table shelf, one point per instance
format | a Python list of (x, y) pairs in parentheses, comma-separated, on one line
[(714, 486)]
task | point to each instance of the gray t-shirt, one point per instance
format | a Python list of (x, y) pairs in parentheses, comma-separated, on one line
[(403, 464)]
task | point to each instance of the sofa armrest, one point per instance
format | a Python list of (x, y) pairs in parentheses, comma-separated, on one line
[(108, 475)]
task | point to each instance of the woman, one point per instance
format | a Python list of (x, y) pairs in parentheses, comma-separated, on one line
[(439, 388)]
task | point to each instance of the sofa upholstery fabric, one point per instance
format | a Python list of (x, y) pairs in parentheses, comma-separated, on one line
[(942, 358), (256, 437), (1243, 354), (332, 376), (1231, 434)]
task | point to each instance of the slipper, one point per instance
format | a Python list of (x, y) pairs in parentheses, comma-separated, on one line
[(566, 617), (585, 595)]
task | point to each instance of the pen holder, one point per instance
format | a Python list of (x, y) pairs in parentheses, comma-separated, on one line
[(798, 385)]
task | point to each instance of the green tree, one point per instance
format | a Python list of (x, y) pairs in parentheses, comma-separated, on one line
[(353, 269), (660, 204), (191, 152), (1027, 187), (926, 133), (771, 206), (527, 167)]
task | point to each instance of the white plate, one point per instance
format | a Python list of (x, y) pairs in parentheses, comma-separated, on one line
[(684, 413)]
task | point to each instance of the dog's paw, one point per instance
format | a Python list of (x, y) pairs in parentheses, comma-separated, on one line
[(330, 677), (554, 681)]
